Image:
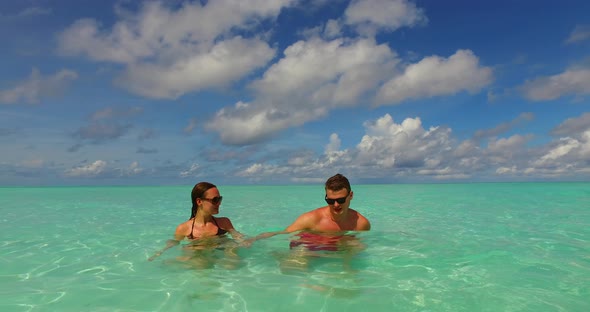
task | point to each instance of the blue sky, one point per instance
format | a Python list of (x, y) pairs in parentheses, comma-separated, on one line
[(285, 91)]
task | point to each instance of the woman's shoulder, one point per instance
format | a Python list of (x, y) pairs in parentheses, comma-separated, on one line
[(224, 222), (183, 228)]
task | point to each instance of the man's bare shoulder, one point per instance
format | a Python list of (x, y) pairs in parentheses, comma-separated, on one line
[(319, 211), (306, 220), (313, 215), (362, 223)]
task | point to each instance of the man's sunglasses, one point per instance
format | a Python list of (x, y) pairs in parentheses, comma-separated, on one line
[(340, 200), (214, 200)]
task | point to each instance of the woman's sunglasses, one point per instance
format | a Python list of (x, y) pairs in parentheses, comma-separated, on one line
[(214, 200), (340, 200)]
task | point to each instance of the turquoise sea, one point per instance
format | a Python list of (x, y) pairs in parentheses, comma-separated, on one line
[(432, 247)]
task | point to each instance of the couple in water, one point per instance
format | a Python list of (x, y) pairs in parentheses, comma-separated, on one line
[(320, 229)]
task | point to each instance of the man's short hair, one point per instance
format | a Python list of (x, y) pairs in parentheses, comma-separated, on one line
[(337, 182)]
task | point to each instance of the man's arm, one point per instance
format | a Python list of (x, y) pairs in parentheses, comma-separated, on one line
[(304, 222), (301, 223)]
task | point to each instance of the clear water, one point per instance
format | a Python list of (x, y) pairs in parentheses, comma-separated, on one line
[(451, 247)]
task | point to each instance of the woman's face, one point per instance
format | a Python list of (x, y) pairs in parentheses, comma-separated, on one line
[(210, 201)]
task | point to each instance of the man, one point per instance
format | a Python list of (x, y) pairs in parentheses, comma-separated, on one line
[(323, 229), (337, 216)]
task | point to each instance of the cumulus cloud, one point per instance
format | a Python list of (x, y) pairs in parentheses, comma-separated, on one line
[(37, 86), (573, 126), (26, 13), (190, 171), (575, 81), (387, 149), (133, 169), (90, 170), (387, 144), (369, 16), (334, 144), (569, 152), (167, 52), (101, 168), (506, 147), (263, 170), (435, 76), (409, 151), (293, 91), (579, 34)]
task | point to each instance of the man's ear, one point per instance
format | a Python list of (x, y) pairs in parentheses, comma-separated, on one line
[(351, 195)]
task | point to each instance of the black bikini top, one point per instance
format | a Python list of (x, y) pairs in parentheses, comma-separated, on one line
[(220, 231)]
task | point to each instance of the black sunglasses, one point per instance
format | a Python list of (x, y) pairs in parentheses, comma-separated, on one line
[(340, 200), (214, 200)]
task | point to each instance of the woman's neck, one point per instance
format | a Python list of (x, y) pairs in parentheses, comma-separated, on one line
[(202, 217)]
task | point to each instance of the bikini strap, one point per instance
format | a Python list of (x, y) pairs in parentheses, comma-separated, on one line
[(192, 229)]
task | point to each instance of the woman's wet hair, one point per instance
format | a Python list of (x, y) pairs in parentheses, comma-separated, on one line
[(337, 182), (198, 191)]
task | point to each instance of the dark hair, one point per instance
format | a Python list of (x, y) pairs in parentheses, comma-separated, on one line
[(198, 191), (337, 182)]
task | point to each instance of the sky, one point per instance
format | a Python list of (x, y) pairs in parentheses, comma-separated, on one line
[(292, 92)]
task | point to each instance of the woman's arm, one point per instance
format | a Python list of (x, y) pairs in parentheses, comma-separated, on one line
[(179, 235)]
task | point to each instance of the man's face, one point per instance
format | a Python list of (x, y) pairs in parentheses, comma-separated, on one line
[(338, 201)]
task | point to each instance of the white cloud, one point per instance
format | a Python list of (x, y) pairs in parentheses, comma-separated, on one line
[(259, 171), (293, 91), (28, 12), (309, 180), (332, 29), (37, 86), (133, 169), (334, 144), (227, 61), (579, 34), (404, 145), (434, 76), (369, 16), (190, 171), (90, 170), (506, 170), (168, 52), (573, 126), (571, 82), (408, 151), (507, 145)]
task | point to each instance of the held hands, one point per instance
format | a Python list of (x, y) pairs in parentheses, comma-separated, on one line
[(248, 242)]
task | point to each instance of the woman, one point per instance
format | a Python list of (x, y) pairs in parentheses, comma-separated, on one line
[(202, 228), (205, 200)]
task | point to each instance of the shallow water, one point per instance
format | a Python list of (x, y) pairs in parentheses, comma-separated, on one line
[(435, 247)]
